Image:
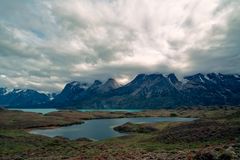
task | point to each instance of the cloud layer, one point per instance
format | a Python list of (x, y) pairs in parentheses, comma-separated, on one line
[(45, 44)]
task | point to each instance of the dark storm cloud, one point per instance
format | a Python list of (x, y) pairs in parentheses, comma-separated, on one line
[(45, 44)]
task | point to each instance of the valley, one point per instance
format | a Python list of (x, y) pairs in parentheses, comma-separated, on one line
[(119, 80), (215, 134)]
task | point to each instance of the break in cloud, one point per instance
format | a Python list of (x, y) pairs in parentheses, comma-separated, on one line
[(44, 44)]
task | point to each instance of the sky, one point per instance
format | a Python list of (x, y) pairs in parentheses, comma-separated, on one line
[(46, 43)]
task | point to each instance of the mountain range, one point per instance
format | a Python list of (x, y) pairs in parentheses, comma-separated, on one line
[(144, 91)]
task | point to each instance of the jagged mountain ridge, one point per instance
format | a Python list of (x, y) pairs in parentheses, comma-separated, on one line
[(22, 98), (148, 91)]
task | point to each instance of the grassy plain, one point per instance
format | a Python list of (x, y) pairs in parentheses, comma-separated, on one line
[(214, 136)]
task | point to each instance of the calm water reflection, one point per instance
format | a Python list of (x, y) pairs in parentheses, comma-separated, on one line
[(101, 128), (47, 110)]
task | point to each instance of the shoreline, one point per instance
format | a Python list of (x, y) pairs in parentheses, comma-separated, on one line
[(68, 118), (144, 121), (218, 128), (105, 118), (51, 126)]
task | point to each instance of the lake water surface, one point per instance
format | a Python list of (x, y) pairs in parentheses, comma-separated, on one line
[(99, 129), (47, 110), (43, 111)]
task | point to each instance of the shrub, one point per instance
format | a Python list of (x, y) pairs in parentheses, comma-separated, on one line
[(225, 156), (204, 156), (173, 115)]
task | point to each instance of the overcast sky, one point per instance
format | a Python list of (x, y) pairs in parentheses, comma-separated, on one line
[(46, 43)]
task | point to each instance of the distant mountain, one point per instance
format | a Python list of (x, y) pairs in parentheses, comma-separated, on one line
[(21, 98), (71, 92), (76, 92), (51, 96), (110, 85), (144, 91), (95, 86)]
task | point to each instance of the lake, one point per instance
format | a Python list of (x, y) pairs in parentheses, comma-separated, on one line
[(100, 129), (43, 111), (47, 110)]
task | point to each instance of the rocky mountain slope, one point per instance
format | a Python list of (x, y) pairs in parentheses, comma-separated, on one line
[(144, 91), (22, 98)]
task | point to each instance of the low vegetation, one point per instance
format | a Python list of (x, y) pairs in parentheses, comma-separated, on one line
[(214, 136)]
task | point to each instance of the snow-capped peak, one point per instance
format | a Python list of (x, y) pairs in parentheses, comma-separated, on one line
[(17, 90), (206, 77), (236, 76), (201, 79), (7, 91), (110, 84), (75, 84)]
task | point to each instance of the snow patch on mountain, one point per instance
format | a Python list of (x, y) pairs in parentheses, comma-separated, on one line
[(7, 91)]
